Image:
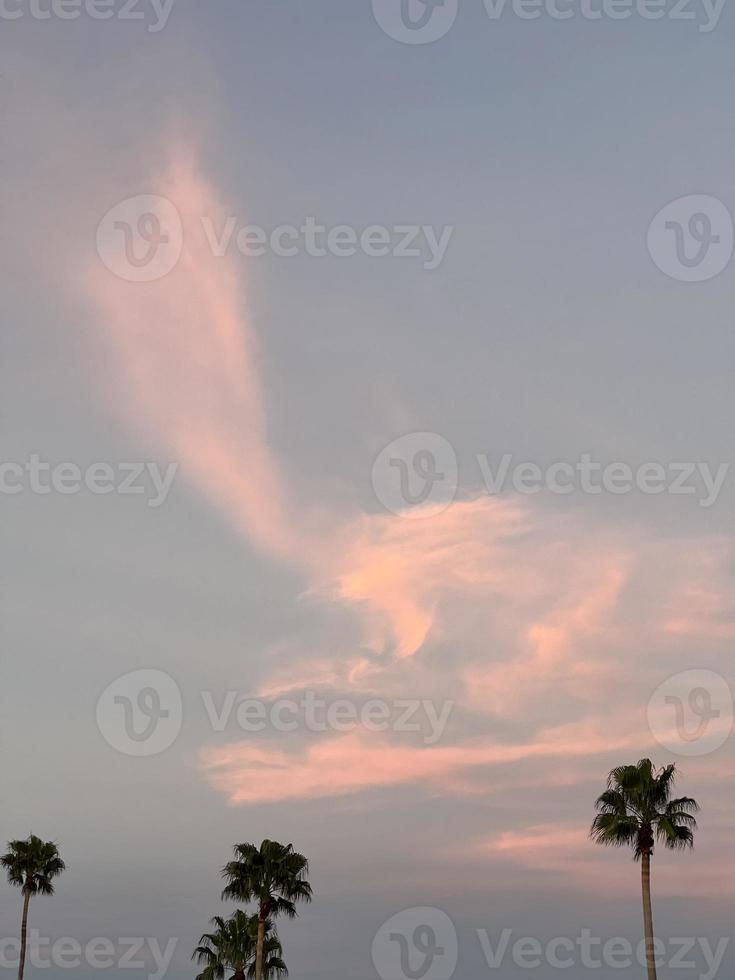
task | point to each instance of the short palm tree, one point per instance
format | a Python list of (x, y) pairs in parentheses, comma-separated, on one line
[(636, 810), (231, 949), (274, 876), (31, 865)]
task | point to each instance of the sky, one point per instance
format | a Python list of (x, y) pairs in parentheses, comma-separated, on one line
[(367, 395)]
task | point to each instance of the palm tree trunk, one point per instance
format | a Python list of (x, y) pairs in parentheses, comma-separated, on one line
[(648, 915), (259, 947), (23, 933)]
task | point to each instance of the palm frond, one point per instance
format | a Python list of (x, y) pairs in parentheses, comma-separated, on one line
[(32, 864), (636, 809)]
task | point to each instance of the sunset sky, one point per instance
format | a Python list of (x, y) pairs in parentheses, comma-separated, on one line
[(528, 632)]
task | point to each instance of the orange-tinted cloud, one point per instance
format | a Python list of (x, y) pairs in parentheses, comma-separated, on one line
[(186, 371), (396, 570), (528, 608), (567, 850), (357, 761), (581, 603)]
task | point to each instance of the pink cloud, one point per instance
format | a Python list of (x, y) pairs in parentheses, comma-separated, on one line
[(186, 371), (187, 378), (566, 850), (355, 762), (396, 570), (531, 612), (543, 846), (581, 610)]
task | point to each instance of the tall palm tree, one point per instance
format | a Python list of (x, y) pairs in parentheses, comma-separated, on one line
[(232, 947), (636, 810), (274, 876), (31, 865)]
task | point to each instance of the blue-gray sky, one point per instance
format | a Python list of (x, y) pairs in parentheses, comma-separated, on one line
[(553, 327)]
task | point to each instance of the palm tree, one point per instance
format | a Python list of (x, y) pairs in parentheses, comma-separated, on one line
[(636, 810), (274, 876), (232, 947), (31, 865)]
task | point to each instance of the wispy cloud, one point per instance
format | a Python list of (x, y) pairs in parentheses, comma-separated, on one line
[(525, 616), (186, 371), (566, 850), (356, 762)]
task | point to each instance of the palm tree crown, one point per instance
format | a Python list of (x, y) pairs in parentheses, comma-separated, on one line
[(32, 865), (636, 810), (231, 948), (273, 875)]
